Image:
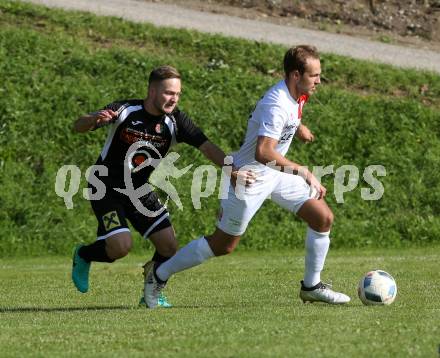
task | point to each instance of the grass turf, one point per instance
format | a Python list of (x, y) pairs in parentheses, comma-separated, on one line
[(56, 65), (244, 305)]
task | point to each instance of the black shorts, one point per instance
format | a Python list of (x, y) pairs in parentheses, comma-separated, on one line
[(113, 210)]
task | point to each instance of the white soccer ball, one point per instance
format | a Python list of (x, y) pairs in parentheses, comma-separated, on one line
[(377, 288)]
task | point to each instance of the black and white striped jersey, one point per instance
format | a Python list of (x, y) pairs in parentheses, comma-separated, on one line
[(154, 136)]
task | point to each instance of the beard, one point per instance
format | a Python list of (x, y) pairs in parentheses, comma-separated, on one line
[(163, 108), (158, 107)]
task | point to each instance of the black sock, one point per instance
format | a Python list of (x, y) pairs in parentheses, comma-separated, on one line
[(95, 252), (156, 265), (159, 258)]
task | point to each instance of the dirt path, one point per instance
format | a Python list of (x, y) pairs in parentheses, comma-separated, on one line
[(179, 17)]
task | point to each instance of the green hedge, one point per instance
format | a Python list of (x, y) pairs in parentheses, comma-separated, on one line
[(56, 65)]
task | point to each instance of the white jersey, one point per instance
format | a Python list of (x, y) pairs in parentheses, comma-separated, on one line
[(277, 115)]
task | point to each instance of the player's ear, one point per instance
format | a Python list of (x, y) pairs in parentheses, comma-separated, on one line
[(295, 75), (151, 90)]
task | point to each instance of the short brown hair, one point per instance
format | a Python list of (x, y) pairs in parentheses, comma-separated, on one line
[(163, 73), (295, 58)]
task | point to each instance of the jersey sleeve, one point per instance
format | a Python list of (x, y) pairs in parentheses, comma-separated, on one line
[(187, 131), (272, 120), (117, 107)]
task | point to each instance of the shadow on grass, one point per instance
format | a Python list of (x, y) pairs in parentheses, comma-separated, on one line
[(64, 309), (103, 308), (174, 307)]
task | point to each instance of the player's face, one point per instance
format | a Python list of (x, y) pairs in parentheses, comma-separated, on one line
[(310, 78), (166, 95)]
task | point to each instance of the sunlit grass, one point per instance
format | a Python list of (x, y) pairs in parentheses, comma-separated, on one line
[(244, 305)]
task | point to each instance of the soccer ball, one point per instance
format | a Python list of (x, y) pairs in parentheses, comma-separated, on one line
[(377, 288)]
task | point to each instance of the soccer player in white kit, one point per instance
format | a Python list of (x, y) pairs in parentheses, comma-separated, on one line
[(271, 128)]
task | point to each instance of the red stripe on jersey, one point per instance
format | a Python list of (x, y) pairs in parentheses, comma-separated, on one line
[(301, 101)]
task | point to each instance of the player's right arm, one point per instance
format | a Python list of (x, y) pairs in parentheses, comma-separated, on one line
[(94, 120), (265, 153)]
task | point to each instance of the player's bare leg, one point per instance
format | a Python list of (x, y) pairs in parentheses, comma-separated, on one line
[(165, 241), (222, 243), (119, 245), (105, 250), (193, 254)]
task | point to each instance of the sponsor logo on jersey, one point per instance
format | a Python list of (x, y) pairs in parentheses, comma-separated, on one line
[(285, 137), (158, 128), (138, 159), (287, 133), (135, 123), (111, 220), (131, 136)]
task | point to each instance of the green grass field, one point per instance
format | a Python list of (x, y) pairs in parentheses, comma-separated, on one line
[(56, 65), (244, 305)]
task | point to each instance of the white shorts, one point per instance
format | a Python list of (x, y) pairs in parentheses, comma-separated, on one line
[(287, 190)]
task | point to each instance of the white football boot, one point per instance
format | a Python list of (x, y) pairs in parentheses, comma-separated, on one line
[(152, 287), (322, 293)]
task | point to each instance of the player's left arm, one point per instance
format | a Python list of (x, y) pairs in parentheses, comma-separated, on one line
[(217, 156), (304, 134), (189, 133), (213, 153)]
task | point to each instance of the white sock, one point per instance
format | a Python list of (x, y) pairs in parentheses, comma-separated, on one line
[(193, 254), (317, 244)]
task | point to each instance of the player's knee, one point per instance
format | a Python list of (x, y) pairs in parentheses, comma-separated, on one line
[(221, 243), (124, 251), (329, 218), (120, 248), (126, 246), (170, 249), (326, 220), (223, 250)]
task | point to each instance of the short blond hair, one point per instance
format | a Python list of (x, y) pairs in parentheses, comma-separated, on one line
[(163, 73)]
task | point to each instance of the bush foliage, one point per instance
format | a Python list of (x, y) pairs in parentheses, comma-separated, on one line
[(58, 65)]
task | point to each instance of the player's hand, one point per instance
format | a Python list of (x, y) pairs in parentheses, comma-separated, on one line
[(104, 117), (317, 190), (246, 177), (304, 134)]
